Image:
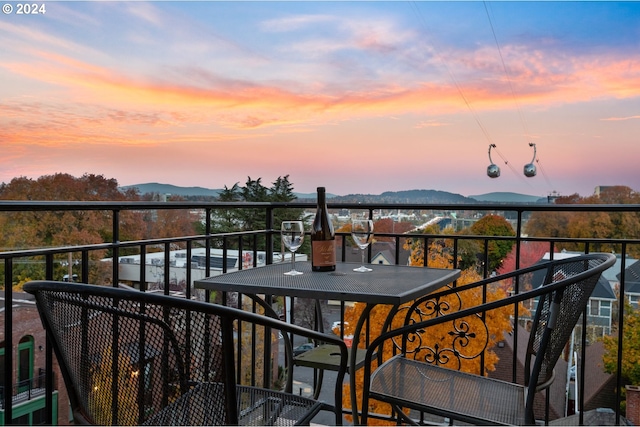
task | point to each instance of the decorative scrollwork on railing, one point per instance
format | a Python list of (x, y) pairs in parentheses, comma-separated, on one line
[(429, 307), (435, 355), (452, 344), (432, 308), (462, 333)]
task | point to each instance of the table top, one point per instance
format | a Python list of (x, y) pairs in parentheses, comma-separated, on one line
[(386, 284)]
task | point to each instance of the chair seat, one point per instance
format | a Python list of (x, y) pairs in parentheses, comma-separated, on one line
[(446, 392), (163, 360), (327, 356), (256, 406)]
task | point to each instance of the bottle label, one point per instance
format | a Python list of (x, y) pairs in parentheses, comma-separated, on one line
[(323, 253)]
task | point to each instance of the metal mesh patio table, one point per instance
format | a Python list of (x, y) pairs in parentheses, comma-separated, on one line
[(387, 284)]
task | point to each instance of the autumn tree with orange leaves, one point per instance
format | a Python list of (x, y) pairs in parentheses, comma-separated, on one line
[(497, 321), (29, 229), (593, 225)]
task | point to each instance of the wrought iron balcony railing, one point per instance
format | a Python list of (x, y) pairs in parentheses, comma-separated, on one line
[(24, 390), (155, 266)]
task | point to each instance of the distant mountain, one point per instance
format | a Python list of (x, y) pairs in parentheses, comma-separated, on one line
[(408, 196), (154, 187), (506, 197)]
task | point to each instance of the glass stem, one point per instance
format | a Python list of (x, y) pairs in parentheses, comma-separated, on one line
[(293, 261), (363, 256)]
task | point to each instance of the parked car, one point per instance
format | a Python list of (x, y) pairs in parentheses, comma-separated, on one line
[(302, 348), (572, 372), (335, 327)]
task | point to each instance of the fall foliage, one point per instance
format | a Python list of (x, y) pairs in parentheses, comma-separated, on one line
[(37, 229), (497, 323), (630, 368), (609, 224), (530, 253), (388, 226)]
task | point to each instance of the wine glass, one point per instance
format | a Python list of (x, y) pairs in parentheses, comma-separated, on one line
[(292, 236), (362, 233)]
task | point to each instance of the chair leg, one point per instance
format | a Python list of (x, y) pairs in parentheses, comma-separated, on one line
[(402, 416)]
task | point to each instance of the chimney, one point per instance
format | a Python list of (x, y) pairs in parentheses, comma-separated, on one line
[(633, 404)]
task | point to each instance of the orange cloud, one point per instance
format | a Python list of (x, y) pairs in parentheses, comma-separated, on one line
[(129, 100)]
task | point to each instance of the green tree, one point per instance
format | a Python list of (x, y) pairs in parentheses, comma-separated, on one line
[(281, 190), (495, 225), (630, 368), (230, 220), (223, 220), (253, 191)]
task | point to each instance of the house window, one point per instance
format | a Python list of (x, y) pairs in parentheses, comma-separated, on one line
[(25, 363), (605, 308), (594, 307), (599, 308), (24, 420), (634, 299), (39, 417)]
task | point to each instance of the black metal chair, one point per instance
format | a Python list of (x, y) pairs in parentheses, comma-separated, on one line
[(417, 377), (130, 358)]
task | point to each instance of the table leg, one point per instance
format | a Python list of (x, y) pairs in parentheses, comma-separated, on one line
[(288, 345), (364, 317)]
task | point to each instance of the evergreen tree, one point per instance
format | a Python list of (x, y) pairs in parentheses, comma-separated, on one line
[(250, 219), (224, 220)]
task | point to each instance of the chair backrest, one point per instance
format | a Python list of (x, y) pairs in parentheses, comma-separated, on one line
[(130, 357), (562, 288), (557, 313), (125, 355)]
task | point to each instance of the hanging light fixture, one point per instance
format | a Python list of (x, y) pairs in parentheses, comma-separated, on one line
[(530, 168), (493, 171)]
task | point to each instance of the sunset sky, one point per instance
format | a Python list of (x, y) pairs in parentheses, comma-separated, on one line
[(359, 97)]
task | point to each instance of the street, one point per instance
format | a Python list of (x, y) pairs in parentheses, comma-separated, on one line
[(303, 377)]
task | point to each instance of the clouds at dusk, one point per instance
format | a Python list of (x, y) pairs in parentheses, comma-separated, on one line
[(208, 93)]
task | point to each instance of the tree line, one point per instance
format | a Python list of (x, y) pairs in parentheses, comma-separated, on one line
[(43, 229)]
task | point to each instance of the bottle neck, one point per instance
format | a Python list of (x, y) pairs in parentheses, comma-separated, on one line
[(322, 201)]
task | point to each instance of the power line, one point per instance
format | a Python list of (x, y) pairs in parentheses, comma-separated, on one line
[(504, 67), (462, 95), (452, 77), (513, 95), (544, 174)]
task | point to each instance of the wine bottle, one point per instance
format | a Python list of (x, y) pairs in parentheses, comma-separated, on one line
[(323, 238)]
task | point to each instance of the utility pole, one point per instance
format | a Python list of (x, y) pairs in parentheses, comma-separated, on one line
[(70, 267)]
